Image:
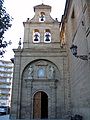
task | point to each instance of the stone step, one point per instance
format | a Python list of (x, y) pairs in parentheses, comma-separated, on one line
[(39, 119), (49, 119)]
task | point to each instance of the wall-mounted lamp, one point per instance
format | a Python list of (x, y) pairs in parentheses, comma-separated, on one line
[(12, 60), (74, 52)]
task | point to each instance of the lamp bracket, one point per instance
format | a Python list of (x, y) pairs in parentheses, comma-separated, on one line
[(83, 57)]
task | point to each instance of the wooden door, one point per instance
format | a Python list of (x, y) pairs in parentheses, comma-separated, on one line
[(40, 105), (37, 106)]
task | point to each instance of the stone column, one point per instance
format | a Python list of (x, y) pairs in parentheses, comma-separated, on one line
[(53, 100), (29, 98), (15, 104)]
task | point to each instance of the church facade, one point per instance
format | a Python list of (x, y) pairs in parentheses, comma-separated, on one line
[(41, 78), (52, 71)]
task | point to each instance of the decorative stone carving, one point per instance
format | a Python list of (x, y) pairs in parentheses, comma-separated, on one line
[(51, 72), (30, 72), (41, 70)]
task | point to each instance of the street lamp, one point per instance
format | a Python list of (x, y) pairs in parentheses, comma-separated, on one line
[(74, 52)]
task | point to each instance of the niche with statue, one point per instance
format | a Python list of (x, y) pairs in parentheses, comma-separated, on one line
[(41, 69)]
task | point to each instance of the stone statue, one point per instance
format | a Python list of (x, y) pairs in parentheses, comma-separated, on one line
[(51, 72), (30, 72)]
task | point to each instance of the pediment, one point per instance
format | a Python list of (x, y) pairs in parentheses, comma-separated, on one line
[(41, 63)]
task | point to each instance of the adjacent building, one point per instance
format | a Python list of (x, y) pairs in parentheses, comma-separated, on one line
[(6, 74), (75, 34)]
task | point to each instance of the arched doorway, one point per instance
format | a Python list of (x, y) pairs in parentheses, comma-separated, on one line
[(40, 105)]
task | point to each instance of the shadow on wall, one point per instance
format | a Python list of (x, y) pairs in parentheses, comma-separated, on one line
[(77, 117)]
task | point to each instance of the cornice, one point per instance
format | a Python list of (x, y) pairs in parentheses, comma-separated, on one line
[(67, 8), (42, 6), (55, 50)]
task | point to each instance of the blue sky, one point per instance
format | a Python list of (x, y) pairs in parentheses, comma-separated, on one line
[(20, 10)]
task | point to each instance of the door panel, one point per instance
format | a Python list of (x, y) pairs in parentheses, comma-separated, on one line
[(37, 105), (40, 105)]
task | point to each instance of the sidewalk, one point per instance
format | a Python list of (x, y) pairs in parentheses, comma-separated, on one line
[(4, 117)]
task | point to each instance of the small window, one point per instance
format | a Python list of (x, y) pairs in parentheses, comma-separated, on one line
[(36, 36), (42, 17), (47, 36)]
